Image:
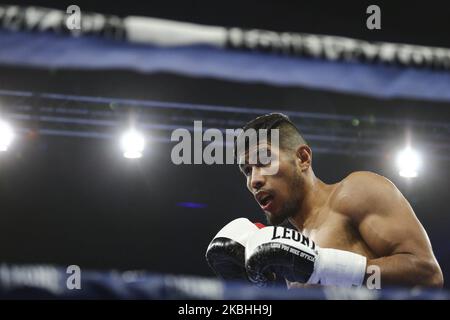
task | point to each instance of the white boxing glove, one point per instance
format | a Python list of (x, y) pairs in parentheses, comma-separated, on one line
[(226, 252), (289, 254)]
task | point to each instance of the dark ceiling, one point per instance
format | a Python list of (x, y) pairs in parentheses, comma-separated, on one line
[(414, 22)]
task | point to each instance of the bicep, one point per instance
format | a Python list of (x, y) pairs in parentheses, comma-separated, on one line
[(392, 227)]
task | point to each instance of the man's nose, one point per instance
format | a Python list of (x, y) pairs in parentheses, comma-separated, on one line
[(258, 179)]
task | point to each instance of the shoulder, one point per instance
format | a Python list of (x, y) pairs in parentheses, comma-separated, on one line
[(363, 192), (369, 179)]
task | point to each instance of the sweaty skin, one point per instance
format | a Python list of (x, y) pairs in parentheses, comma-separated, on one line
[(364, 213)]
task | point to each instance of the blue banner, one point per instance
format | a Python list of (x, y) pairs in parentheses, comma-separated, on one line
[(45, 50)]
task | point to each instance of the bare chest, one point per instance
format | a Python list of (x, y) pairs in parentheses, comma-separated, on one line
[(338, 233)]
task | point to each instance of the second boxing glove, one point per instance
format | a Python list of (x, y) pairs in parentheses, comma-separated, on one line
[(226, 252)]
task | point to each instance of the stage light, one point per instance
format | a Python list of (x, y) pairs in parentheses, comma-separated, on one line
[(133, 144), (408, 162), (6, 135)]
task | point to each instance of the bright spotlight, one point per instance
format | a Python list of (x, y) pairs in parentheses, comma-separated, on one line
[(6, 135), (408, 162), (133, 144)]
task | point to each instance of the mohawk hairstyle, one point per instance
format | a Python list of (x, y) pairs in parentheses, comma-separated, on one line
[(268, 121), (290, 137)]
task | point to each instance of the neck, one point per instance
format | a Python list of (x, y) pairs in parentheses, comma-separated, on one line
[(315, 197)]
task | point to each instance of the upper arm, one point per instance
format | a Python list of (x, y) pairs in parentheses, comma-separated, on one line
[(382, 215)]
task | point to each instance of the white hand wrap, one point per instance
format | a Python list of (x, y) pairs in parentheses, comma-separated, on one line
[(340, 268)]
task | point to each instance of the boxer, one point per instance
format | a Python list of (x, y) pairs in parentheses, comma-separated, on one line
[(342, 229)]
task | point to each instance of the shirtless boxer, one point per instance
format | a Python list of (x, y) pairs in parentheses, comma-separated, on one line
[(343, 228)]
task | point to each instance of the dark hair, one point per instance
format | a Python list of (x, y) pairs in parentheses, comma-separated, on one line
[(290, 137)]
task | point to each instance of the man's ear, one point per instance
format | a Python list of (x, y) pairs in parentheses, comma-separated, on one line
[(304, 156)]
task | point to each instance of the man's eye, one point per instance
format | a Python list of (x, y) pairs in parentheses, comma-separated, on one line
[(265, 163), (260, 164), (247, 170)]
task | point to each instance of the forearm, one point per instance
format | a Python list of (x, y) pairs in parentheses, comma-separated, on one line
[(406, 269)]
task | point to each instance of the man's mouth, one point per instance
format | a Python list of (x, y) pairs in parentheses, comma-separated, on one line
[(264, 199)]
